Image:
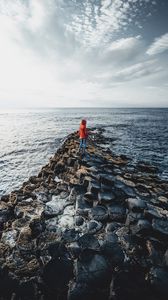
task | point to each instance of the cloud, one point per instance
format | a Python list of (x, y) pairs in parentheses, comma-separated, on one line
[(139, 70), (72, 50), (160, 45)]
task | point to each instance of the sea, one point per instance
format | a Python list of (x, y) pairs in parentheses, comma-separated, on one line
[(29, 137)]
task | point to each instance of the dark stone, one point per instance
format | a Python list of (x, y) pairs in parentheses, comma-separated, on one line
[(93, 269), (94, 226), (117, 212), (79, 221), (131, 285), (142, 227), (106, 197), (89, 197), (112, 226), (88, 241), (70, 235), (82, 206), (166, 258), (84, 291), (57, 249), (143, 167), (107, 179), (113, 250), (160, 226), (37, 226), (57, 273), (133, 217), (93, 187), (99, 213), (136, 205), (158, 278)]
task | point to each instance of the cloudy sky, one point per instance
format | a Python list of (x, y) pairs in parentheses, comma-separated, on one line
[(83, 53)]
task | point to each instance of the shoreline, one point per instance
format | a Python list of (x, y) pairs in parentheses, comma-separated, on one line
[(85, 228)]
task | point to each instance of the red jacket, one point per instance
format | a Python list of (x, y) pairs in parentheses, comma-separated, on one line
[(82, 130)]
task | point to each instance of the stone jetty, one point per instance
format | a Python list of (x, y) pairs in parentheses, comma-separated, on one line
[(86, 227)]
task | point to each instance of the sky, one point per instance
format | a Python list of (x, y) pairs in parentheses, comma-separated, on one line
[(83, 53)]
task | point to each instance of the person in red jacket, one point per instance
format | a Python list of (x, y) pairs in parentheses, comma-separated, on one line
[(83, 134)]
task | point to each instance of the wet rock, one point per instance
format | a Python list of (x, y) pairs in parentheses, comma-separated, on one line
[(88, 241), (94, 226), (82, 206), (70, 235), (142, 227), (112, 226), (160, 226), (133, 218), (130, 284), (158, 278), (29, 208), (9, 238), (92, 269), (125, 181), (93, 187), (89, 197), (55, 206), (56, 275), (107, 179), (113, 250), (86, 227), (106, 197), (79, 221), (146, 168), (116, 212), (99, 213), (166, 258), (136, 205)]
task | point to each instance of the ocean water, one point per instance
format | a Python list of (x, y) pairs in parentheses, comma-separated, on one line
[(29, 137)]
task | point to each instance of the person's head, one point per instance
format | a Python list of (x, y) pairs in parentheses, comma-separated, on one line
[(83, 122)]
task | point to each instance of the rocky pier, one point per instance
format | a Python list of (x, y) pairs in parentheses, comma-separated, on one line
[(86, 227)]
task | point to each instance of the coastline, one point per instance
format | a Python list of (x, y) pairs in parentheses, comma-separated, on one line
[(86, 228)]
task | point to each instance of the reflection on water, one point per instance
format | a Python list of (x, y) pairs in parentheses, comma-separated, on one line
[(30, 137)]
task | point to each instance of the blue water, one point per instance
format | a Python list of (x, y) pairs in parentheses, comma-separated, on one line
[(29, 137)]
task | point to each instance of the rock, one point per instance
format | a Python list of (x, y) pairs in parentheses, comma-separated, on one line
[(117, 212), (142, 227), (133, 217), (89, 197), (160, 226), (9, 238), (106, 197), (70, 235), (56, 275), (136, 205), (158, 278), (79, 220), (99, 213), (88, 241), (93, 187), (125, 181), (92, 269), (55, 206), (82, 206), (106, 179), (143, 167), (112, 226), (94, 226), (166, 258), (113, 250)]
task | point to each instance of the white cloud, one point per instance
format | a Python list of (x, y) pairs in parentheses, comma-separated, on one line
[(159, 45), (65, 52)]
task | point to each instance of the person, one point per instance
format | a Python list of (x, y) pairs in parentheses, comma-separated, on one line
[(83, 134)]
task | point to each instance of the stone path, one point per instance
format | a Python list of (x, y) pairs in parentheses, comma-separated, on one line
[(91, 227)]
